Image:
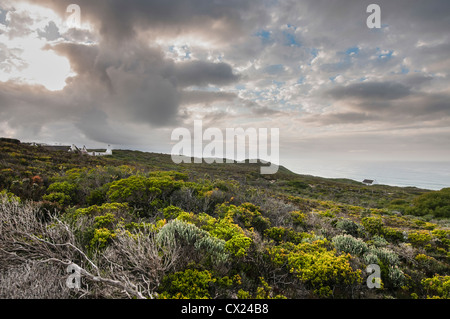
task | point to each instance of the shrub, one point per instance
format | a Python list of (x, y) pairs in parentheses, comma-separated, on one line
[(266, 292), (102, 237), (394, 234), (314, 265), (436, 203), (298, 218), (248, 215), (188, 284), (280, 234), (385, 255), (242, 294), (96, 197), (63, 193), (140, 191), (95, 210), (420, 237), (443, 236), (275, 233), (105, 221), (60, 198), (371, 258), (238, 245), (350, 244), (437, 287), (190, 235), (374, 225), (350, 227), (396, 277), (171, 212), (379, 241)]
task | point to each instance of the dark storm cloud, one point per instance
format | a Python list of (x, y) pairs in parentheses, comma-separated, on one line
[(86, 61), (120, 76), (142, 85), (30, 107), (119, 20), (135, 84)]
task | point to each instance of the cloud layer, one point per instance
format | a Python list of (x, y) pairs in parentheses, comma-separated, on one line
[(312, 68)]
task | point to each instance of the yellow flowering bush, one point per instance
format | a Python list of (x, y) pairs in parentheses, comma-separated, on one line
[(317, 266), (437, 287), (102, 237)]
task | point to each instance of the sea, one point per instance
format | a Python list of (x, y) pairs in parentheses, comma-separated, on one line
[(425, 175)]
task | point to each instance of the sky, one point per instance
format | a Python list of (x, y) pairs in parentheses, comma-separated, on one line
[(129, 72)]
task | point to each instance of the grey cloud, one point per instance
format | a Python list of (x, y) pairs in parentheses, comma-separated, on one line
[(206, 97), (428, 106), (134, 84), (417, 81), (31, 106), (118, 20), (18, 24), (94, 124), (124, 85), (342, 118), (370, 91), (3, 16), (200, 73), (418, 110), (85, 61), (80, 35), (50, 32)]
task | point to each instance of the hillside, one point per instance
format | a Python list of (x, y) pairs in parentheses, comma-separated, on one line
[(139, 226)]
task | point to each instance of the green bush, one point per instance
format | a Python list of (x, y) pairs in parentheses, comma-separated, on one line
[(437, 287), (316, 266), (443, 236), (396, 277), (249, 215), (350, 227), (60, 198), (393, 234), (63, 193), (420, 237), (95, 210), (298, 218), (374, 225), (238, 245), (436, 203), (102, 237), (188, 284), (140, 191), (171, 212), (105, 221)]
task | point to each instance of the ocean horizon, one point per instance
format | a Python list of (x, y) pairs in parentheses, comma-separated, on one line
[(425, 175)]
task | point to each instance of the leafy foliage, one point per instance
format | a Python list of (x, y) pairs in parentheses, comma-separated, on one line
[(435, 203)]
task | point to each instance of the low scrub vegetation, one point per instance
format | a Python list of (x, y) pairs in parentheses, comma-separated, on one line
[(135, 225)]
